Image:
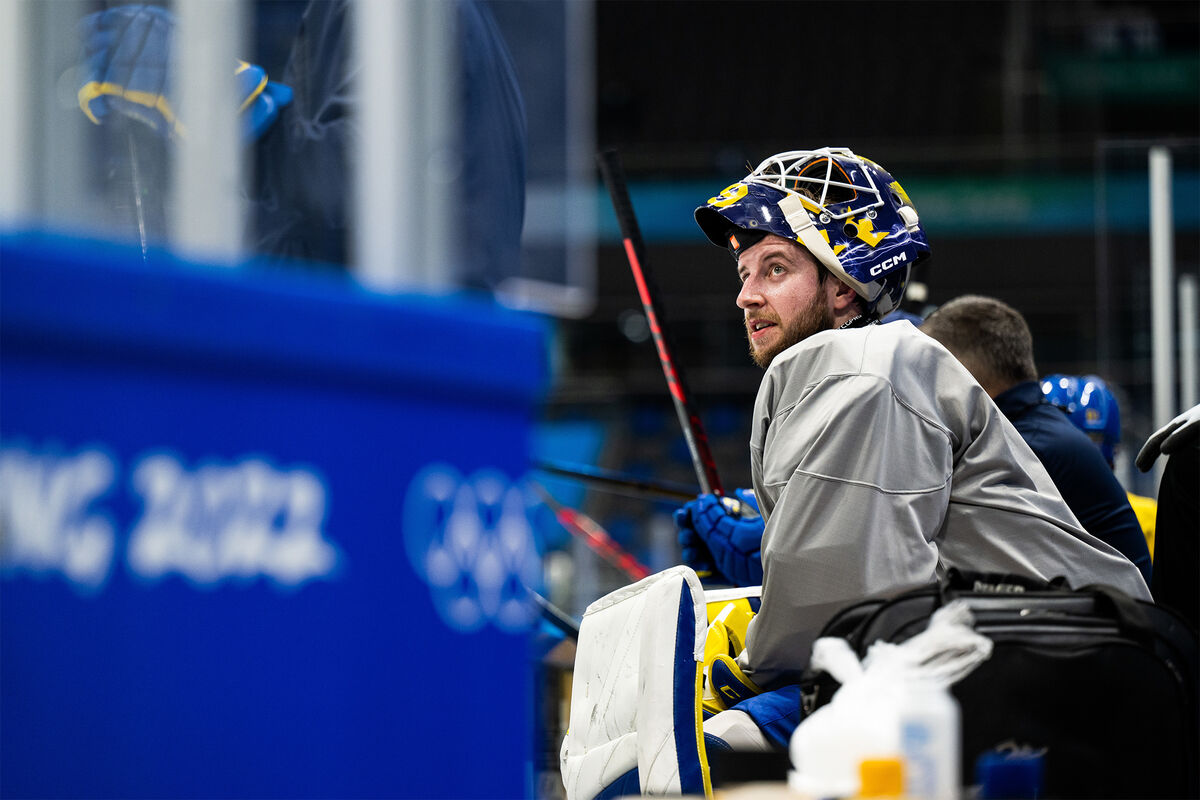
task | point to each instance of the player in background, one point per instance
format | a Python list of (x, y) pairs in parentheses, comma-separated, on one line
[(877, 461), (1092, 407), (303, 128), (993, 342)]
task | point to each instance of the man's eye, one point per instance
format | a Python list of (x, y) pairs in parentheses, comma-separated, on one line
[(777, 269)]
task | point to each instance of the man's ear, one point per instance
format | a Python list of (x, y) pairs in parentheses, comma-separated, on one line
[(843, 301)]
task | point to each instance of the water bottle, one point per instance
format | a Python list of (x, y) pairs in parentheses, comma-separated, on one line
[(930, 741)]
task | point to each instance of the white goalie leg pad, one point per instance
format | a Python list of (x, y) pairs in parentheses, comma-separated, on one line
[(635, 691), (671, 757)]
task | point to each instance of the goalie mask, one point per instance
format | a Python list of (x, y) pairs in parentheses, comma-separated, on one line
[(848, 212)]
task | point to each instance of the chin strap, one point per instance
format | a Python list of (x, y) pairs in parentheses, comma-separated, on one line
[(857, 321)]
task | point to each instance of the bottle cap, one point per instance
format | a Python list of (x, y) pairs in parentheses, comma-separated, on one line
[(1012, 776), (881, 777)]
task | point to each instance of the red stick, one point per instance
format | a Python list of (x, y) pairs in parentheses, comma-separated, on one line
[(689, 420), (591, 532)]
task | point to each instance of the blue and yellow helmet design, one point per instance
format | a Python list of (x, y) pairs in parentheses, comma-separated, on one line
[(849, 212)]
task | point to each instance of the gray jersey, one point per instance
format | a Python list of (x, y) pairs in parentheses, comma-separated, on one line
[(879, 464)]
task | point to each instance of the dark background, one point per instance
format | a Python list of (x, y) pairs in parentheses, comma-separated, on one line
[(1053, 93)]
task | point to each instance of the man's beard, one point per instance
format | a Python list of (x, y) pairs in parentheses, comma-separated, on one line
[(816, 317)]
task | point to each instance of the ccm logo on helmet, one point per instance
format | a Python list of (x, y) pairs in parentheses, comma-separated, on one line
[(887, 264)]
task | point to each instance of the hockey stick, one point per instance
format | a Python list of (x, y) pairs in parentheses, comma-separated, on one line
[(618, 483), (689, 420), (555, 615), (590, 531), (136, 174)]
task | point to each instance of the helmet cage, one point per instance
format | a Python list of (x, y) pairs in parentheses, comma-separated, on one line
[(795, 167)]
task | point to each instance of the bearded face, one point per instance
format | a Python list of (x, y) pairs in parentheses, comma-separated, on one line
[(809, 319), (783, 296)]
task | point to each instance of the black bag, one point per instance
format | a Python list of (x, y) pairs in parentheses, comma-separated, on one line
[(1104, 685)]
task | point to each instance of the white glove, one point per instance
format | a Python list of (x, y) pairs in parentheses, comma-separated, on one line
[(1169, 437)]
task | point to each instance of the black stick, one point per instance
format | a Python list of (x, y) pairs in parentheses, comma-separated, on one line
[(555, 615), (689, 420), (617, 482)]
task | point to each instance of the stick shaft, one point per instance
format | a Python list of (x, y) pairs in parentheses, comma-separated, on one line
[(689, 420), (136, 175), (617, 482), (594, 536), (555, 615)]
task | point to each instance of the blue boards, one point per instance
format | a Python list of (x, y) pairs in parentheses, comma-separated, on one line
[(262, 533)]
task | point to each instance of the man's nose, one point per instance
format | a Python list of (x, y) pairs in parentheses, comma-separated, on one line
[(749, 295)]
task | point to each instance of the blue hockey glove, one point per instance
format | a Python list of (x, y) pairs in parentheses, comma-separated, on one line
[(262, 99), (733, 536), (127, 52), (692, 548)]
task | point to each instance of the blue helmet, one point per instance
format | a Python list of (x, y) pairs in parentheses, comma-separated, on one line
[(1091, 405), (847, 211)]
